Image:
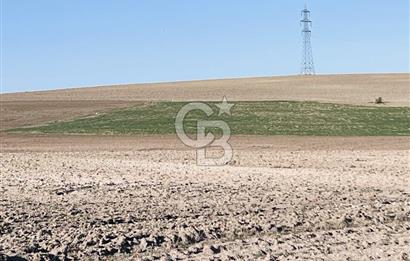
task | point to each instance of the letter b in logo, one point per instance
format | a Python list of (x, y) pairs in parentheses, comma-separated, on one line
[(205, 140)]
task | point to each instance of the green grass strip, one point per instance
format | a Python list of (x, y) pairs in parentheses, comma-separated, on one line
[(248, 118)]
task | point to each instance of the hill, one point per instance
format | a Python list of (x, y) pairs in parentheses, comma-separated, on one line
[(31, 108)]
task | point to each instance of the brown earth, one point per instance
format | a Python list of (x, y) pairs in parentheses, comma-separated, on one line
[(350, 89), (21, 113), (31, 108), (143, 198)]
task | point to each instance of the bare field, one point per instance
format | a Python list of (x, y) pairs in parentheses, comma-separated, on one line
[(143, 197), (350, 89), (21, 113), (69, 143)]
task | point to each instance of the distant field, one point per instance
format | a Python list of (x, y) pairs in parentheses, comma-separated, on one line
[(357, 89), (37, 108), (248, 118)]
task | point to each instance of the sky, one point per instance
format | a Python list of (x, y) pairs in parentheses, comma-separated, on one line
[(48, 44)]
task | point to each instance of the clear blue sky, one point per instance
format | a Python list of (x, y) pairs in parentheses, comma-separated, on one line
[(48, 44)]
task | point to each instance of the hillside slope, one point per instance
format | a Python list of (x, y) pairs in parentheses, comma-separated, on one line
[(32, 108), (351, 89)]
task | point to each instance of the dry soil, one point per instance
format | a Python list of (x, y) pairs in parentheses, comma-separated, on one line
[(143, 197)]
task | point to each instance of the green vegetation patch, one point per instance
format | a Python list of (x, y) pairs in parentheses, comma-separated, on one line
[(251, 118)]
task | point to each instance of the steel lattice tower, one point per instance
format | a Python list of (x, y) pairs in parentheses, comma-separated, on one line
[(308, 67)]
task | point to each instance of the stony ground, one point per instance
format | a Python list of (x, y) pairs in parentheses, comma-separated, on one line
[(314, 199)]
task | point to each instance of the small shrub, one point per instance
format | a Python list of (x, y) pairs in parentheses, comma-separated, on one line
[(379, 100)]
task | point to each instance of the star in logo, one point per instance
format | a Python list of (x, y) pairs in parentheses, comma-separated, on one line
[(225, 107)]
